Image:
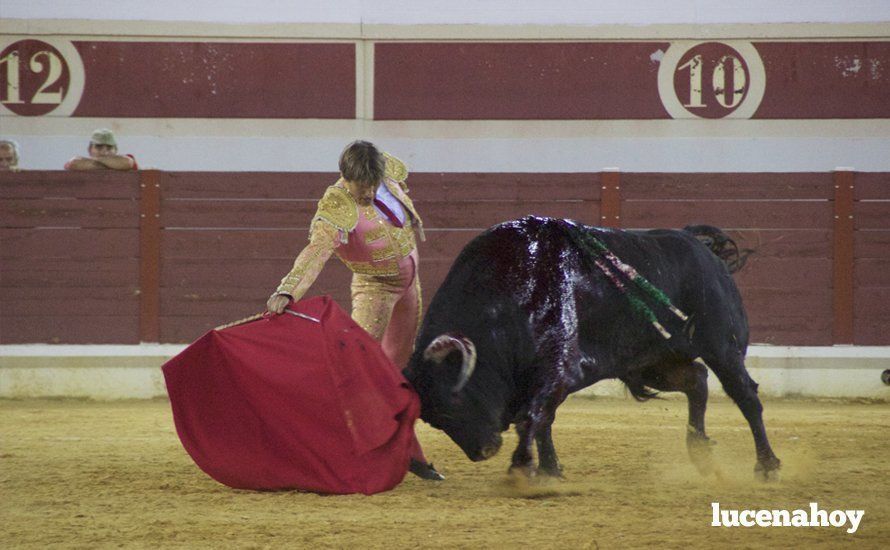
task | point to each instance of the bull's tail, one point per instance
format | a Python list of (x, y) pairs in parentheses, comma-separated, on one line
[(721, 245), (638, 389)]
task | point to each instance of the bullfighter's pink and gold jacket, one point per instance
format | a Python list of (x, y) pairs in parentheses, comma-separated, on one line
[(363, 240)]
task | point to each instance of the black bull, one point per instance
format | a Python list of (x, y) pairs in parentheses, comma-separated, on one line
[(526, 316)]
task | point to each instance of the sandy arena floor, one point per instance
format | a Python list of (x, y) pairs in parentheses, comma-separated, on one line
[(113, 474)]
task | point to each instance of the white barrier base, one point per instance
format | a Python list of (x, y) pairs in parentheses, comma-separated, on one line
[(125, 372), (90, 371)]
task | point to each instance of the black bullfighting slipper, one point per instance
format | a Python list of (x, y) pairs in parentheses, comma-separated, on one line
[(425, 471)]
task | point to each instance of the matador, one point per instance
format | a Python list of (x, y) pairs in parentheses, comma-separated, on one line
[(368, 221), (371, 227)]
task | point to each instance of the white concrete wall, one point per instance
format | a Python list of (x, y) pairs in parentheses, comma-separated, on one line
[(471, 146), (480, 12), (489, 146), (849, 372), (122, 372), (95, 372)]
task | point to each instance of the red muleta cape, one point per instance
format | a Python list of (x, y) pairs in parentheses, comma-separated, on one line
[(285, 402)]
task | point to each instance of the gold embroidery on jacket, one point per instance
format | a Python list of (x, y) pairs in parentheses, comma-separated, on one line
[(404, 240), (307, 266), (383, 253), (400, 241), (375, 234), (385, 268), (338, 208), (395, 170)]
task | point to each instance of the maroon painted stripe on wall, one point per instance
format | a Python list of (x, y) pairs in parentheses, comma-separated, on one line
[(217, 80), (616, 80), (455, 81), (825, 80)]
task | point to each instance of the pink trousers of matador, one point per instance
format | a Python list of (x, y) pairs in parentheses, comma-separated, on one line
[(388, 308)]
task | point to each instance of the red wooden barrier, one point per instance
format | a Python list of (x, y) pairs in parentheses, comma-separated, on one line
[(610, 201), (871, 259), (158, 256), (842, 267), (69, 263), (149, 256), (784, 217)]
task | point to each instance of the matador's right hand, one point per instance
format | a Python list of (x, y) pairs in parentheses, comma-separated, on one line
[(277, 303)]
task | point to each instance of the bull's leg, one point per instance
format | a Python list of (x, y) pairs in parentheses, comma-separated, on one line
[(523, 461), (548, 462), (559, 360), (691, 379), (698, 444), (743, 390), (535, 425)]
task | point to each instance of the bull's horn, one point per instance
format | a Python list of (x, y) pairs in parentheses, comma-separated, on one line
[(445, 344)]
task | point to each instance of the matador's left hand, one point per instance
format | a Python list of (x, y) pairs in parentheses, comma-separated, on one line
[(277, 303)]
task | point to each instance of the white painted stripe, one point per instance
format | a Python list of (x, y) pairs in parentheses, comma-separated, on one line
[(806, 352), (470, 146), (365, 95), (151, 350), (176, 31), (424, 154), (644, 154), (126, 372), (90, 350), (361, 83), (457, 12), (81, 127)]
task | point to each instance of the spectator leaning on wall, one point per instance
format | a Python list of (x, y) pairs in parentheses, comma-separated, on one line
[(103, 155), (9, 156)]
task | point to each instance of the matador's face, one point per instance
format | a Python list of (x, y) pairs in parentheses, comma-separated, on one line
[(362, 192)]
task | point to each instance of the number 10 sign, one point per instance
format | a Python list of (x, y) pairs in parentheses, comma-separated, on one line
[(711, 79)]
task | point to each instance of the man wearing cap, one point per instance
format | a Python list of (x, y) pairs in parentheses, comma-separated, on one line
[(103, 155)]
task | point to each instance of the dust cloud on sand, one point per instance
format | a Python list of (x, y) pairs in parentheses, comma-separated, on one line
[(107, 474)]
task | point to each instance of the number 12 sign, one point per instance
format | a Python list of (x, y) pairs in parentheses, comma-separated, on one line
[(39, 77)]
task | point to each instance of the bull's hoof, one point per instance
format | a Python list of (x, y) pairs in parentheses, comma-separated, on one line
[(551, 472), (699, 447), (425, 471), (522, 472), (767, 476), (767, 470)]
